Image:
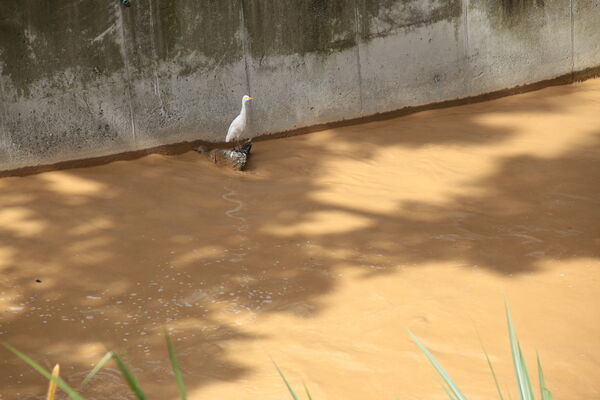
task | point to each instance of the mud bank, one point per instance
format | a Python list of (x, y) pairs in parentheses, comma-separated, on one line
[(320, 255)]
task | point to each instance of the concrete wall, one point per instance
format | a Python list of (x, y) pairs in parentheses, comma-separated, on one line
[(83, 78)]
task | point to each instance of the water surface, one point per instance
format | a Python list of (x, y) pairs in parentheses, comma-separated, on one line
[(321, 255)]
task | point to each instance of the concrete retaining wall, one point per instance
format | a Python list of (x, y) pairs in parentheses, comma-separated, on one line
[(86, 78)]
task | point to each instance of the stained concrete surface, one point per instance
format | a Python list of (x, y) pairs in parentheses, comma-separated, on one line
[(586, 38), (522, 42), (81, 78)]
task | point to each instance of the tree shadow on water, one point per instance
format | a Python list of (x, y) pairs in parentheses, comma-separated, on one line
[(124, 249)]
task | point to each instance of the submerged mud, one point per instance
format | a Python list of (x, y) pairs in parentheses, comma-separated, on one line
[(320, 256)]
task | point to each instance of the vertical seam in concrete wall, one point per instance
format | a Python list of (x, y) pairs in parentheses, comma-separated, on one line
[(358, 65), (245, 49), (163, 109), (467, 72), (127, 72), (4, 138), (572, 42), (3, 116)]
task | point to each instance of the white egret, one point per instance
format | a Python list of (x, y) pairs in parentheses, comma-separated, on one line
[(238, 126)]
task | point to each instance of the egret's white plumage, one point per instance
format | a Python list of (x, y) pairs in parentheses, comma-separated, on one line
[(238, 126)]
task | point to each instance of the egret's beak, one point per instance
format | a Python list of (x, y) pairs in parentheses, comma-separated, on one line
[(250, 98)]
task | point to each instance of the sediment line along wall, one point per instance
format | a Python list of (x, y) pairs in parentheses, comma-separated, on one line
[(86, 78)]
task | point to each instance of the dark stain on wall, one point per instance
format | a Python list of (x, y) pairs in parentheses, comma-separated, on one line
[(513, 8), (325, 26), (524, 17), (383, 17), (195, 35), (66, 42), (73, 42), (299, 26), (208, 27)]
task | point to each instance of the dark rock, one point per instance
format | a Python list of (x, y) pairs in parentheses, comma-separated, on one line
[(245, 148), (236, 158)]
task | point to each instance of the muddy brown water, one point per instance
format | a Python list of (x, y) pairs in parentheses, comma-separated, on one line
[(321, 255)]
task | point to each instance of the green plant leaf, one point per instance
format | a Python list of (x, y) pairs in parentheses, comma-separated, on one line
[(175, 366), (545, 393), (527, 380), (308, 396), (59, 382), (493, 373), (97, 368), (518, 364), (285, 381), (447, 390), (129, 378), (453, 387)]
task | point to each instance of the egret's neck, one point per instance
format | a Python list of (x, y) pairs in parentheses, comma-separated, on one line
[(243, 112)]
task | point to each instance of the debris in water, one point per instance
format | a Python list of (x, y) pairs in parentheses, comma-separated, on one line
[(236, 158)]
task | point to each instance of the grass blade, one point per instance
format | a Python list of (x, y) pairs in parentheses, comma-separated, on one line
[(97, 368), (52, 384), (508, 393), (308, 396), (520, 373), (129, 378), (285, 381), (59, 382), (175, 366), (493, 374), (545, 393), (447, 390), (526, 373), (453, 388)]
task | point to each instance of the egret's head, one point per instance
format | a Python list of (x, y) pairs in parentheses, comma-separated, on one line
[(247, 99)]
